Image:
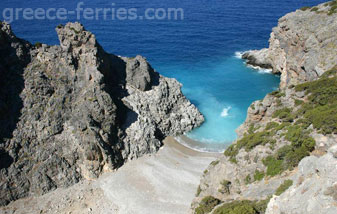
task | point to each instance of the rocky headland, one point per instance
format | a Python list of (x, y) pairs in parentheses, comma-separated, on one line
[(284, 160), (73, 111)]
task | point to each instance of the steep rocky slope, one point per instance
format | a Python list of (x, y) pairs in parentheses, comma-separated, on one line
[(74, 111), (302, 46), (284, 160)]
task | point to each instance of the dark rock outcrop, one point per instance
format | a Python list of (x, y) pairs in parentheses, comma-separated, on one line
[(74, 111)]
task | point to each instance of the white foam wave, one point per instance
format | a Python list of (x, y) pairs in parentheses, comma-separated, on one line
[(225, 111), (260, 70), (238, 54)]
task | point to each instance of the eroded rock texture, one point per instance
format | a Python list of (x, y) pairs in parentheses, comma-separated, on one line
[(73, 111)]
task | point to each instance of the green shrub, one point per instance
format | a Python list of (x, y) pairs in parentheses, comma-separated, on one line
[(298, 102), (305, 8), (38, 45), (207, 204), (274, 166), (248, 179), (283, 187), (237, 207), (259, 175), (277, 94), (321, 108), (272, 125), (283, 114), (198, 191), (214, 163), (333, 7), (314, 9), (243, 207)]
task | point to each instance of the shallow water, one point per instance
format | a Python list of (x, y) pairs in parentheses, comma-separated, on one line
[(200, 51)]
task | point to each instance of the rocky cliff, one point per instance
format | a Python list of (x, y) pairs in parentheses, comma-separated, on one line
[(302, 47), (284, 160), (73, 111)]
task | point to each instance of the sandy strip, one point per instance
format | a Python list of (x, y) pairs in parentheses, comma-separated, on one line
[(165, 182)]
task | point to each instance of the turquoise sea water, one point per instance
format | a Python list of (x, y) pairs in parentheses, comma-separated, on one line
[(199, 50)]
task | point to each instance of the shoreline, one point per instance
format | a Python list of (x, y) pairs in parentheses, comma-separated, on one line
[(199, 146), (164, 182)]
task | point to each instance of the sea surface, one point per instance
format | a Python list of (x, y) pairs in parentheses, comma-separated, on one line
[(201, 51)]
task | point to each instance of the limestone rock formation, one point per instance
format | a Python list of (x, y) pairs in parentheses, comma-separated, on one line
[(73, 111), (302, 46)]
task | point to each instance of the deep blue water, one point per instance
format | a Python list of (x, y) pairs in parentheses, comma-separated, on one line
[(199, 50)]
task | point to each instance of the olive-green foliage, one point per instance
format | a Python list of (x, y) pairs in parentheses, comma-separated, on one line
[(207, 204), (198, 191), (252, 139), (274, 166), (284, 114), (38, 45), (333, 7), (288, 157), (259, 175), (243, 207), (277, 94), (225, 186), (248, 179), (314, 9), (283, 187), (298, 102), (214, 163), (237, 207), (272, 125), (305, 8), (321, 108)]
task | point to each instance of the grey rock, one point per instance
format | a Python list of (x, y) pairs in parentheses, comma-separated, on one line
[(83, 112), (314, 190), (139, 73), (301, 48)]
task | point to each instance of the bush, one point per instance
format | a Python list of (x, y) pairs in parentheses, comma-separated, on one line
[(298, 102), (272, 125), (248, 179), (314, 9), (214, 163), (237, 207), (38, 45), (321, 108), (207, 204), (274, 166), (305, 8), (259, 175), (283, 114), (283, 187), (243, 207), (198, 191), (277, 94)]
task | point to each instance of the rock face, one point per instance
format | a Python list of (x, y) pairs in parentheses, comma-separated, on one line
[(315, 189), (74, 111), (283, 161), (301, 47)]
